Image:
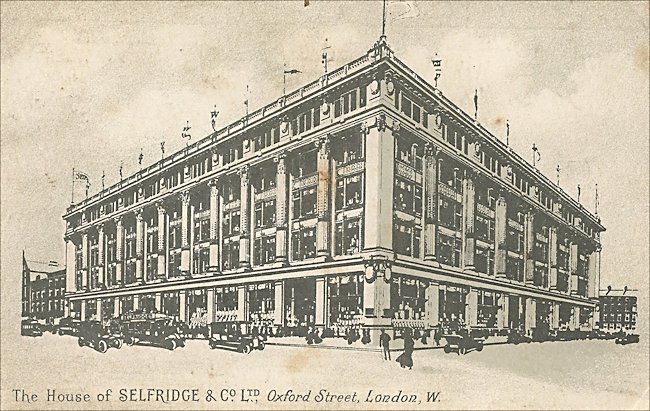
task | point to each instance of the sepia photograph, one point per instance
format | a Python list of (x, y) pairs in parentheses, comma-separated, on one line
[(316, 204)]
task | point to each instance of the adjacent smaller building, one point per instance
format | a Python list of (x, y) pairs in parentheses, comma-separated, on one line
[(617, 310), (43, 290)]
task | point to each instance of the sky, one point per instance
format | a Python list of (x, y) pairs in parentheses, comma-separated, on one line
[(88, 85)]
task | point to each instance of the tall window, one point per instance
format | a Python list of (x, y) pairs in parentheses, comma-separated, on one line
[(265, 213), (349, 192), (304, 202), (264, 250), (230, 257), (449, 250), (348, 237), (303, 243), (406, 238)]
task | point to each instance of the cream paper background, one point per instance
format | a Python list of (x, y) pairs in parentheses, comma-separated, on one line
[(87, 85)]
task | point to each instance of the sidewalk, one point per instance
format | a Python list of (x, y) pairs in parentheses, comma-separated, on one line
[(342, 344)]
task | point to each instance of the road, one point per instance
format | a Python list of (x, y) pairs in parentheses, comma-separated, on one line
[(552, 375)]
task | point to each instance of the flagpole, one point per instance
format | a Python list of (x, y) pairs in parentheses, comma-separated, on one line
[(72, 199), (383, 22)]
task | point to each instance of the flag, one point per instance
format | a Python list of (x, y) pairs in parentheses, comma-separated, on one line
[(81, 176), (292, 71), (401, 9)]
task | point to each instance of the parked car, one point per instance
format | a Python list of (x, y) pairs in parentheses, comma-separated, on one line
[(238, 336), (30, 328), (152, 329), (68, 326), (464, 341), (95, 335), (627, 339), (518, 336)]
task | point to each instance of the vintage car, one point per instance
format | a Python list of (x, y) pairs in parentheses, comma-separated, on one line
[(68, 326), (238, 336), (152, 329), (517, 336), (94, 334), (627, 339), (463, 342), (30, 328)]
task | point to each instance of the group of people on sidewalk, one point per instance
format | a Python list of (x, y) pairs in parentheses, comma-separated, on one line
[(405, 359)]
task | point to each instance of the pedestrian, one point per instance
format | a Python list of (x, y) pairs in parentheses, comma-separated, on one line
[(405, 359), (437, 334), (384, 342)]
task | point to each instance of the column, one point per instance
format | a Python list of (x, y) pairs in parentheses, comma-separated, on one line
[(158, 302), (185, 230), (321, 302), (211, 305), (500, 235), (242, 307), (573, 268), (531, 314), (576, 318), (431, 202), (84, 260), (593, 281), (552, 258), (136, 302), (555, 316), (244, 239), (83, 310), (119, 247), (504, 309), (469, 242), (376, 298), (182, 305), (322, 196), (101, 239), (433, 307), (380, 164), (281, 211), (162, 230), (214, 226), (278, 315), (471, 309), (139, 246), (70, 266), (100, 310), (529, 245), (116, 307)]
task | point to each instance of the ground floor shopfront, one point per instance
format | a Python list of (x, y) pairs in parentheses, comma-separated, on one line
[(340, 299)]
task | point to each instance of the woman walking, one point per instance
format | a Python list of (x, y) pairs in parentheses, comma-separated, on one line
[(405, 359)]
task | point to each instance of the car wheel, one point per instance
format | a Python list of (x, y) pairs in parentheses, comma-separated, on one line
[(60, 332), (261, 345), (246, 349), (447, 349), (80, 342), (102, 346), (462, 350), (130, 341), (118, 343), (479, 348), (171, 344)]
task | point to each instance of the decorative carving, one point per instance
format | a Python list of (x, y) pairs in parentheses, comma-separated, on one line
[(184, 196), (374, 85), (477, 149), (390, 86), (138, 214), (396, 127), (325, 108), (380, 122), (284, 125), (363, 128), (438, 119), (279, 160), (323, 144)]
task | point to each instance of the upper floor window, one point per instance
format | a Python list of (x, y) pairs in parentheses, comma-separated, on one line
[(304, 202), (349, 191)]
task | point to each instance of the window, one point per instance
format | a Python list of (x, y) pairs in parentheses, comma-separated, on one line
[(348, 237), (514, 268), (406, 238), (265, 213), (202, 228), (305, 164), (264, 250), (345, 297), (345, 104), (304, 243), (484, 260), (449, 250), (261, 299), (450, 213), (349, 149), (231, 223), (304, 202), (349, 192), (201, 260), (174, 264), (230, 257)]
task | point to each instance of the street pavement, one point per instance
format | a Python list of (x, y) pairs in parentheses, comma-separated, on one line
[(550, 375)]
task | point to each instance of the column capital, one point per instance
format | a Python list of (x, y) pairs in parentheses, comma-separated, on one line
[(214, 182), (184, 196), (161, 207), (138, 214), (323, 145), (431, 150)]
